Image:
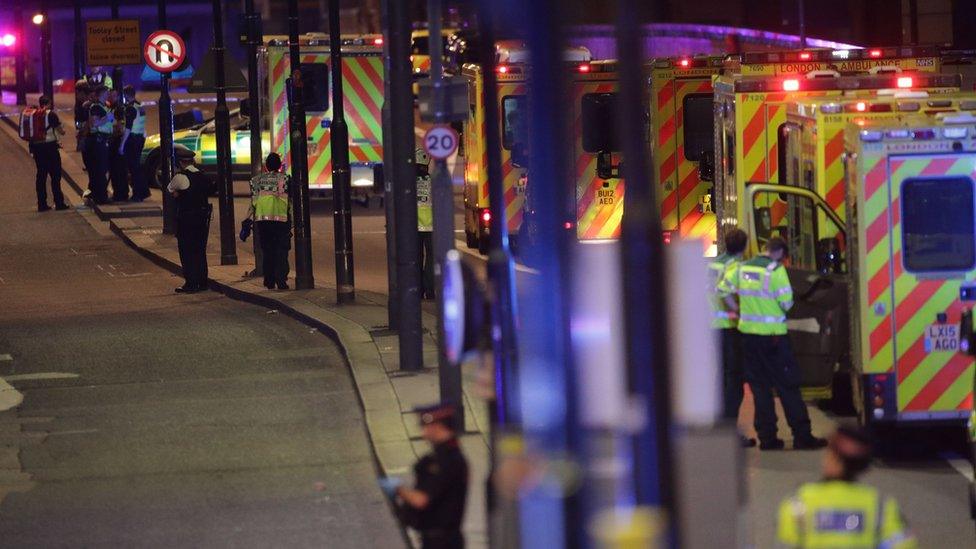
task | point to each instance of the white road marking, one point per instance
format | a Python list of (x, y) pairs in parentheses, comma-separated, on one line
[(963, 466), (462, 246), (6, 358), (41, 375), (9, 397)]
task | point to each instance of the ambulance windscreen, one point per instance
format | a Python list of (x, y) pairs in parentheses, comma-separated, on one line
[(943, 241), (514, 111), (315, 86), (699, 127)]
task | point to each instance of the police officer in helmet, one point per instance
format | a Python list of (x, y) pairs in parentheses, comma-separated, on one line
[(191, 189), (435, 505), (838, 511)]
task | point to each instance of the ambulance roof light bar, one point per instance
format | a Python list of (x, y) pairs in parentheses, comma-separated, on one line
[(859, 82), (689, 62), (826, 55)]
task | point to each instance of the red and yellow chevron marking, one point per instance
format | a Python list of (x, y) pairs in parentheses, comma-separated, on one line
[(927, 381), (833, 168), (475, 149), (599, 203), (362, 77)]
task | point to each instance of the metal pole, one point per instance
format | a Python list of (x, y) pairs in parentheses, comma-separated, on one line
[(19, 65), (913, 21), (803, 22), (116, 71), (254, 39), (643, 278), (404, 173), (341, 182), (393, 300), (47, 76), (79, 42), (166, 160), (225, 182), (298, 142), (442, 201)]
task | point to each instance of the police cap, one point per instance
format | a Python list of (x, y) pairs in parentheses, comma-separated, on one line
[(443, 413), (184, 154)]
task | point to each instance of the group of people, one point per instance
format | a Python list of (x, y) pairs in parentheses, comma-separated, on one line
[(111, 135), (750, 299)]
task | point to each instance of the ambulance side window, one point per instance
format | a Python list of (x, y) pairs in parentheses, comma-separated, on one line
[(816, 242), (942, 241), (788, 143), (315, 82), (513, 121), (699, 125)]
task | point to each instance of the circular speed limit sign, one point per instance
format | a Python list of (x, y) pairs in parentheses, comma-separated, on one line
[(440, 142), (164, 51)]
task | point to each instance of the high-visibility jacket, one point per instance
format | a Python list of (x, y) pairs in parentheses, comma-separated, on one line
[(107, 125), (269, 196), (764, 294), (722, 316), (425, 210), (139, 123), (837, 513)]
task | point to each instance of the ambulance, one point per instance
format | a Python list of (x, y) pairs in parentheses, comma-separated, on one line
[(683, 137), (362, 72)]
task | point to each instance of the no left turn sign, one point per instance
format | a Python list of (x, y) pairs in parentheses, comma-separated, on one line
[(441, 142), (164, 51)]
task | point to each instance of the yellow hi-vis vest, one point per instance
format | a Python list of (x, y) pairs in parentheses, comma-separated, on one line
[(139, 124), (425, 210), (722, 316), (764, 294), (836, 513), (105, 128), (269, 196)]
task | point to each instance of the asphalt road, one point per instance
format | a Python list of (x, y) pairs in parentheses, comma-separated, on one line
[(153, 419)]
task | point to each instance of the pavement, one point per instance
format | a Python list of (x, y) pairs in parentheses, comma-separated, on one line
[(387, 395)]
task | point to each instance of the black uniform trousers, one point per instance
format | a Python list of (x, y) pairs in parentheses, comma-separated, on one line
[(118, 171), (98, 164), (441, 539), (732, 375), (769, 364), (192, 230), (275, 239), (133, 153), (47, 158), (425, 257)]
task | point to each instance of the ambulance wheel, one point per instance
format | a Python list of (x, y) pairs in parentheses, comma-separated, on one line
[(153, 172), (471, 239)]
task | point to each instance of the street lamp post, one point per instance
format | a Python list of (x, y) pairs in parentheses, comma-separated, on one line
[(19, 57), (298, 143), (254, 39), (166, 160), (225, 183), (79, 42), (116, 70), (47, 77), (341, 182)]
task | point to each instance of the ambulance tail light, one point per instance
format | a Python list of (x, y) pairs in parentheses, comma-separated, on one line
[(791, 84), (860, 106), (378, 41), (874, 53), (568, 225), (486, 216), (502, 69), (584, 68), (905, 81), (684, 63), (667, 237)]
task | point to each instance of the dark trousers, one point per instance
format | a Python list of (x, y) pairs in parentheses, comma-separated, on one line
[(769, 364), (275, 243), (192, 230), (425, 257), (732, 375), (442, 539), (118, 171), (47, 158), (98, 163), (133, 153)]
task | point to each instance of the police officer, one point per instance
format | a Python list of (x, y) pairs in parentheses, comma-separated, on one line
[(98, 77), (726, 321), (100, 124), (838, 511), (47, 158), (271, 212), (425, 224), (191, 189), (764, 296), (82, 91), (118, 172), (133, 141), (435, 505)]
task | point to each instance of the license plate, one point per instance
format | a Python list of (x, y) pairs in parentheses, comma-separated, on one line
[(941, 337)]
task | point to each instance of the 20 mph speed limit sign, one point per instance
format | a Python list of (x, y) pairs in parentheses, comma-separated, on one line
[(164, 51), (441, 142)]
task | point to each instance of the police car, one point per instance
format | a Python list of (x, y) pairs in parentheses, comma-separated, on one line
[(202, 140)]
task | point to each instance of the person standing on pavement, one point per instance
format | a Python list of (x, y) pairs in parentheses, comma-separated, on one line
[(82, 91), (83, 126), (191, 189), (271, 212), (435, 505), (726, 321), (118, 172), (838, 511), (133, 141), (425, 224), (47, 158), (764, 296), (100, 122)]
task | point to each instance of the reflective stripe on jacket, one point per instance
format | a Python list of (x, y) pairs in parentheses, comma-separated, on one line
[(837, 513), (139, 124), (722, 316), (764, 294), (269, 196), (425, 210)]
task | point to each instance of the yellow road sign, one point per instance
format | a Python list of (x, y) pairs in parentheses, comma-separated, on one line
[(114, 42)]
